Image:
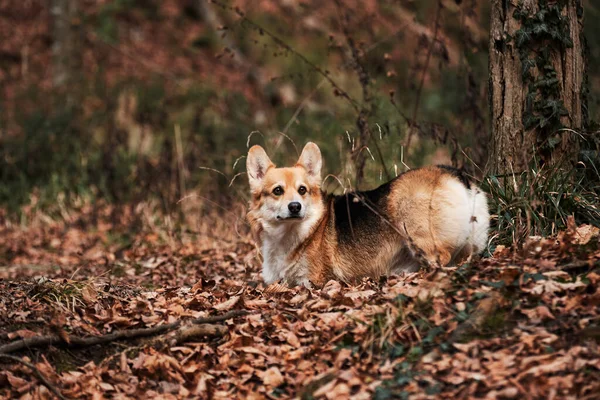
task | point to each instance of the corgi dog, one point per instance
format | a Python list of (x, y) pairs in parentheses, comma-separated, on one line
[(430, 215)]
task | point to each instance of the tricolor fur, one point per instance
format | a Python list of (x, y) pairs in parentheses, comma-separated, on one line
[(432, 214)]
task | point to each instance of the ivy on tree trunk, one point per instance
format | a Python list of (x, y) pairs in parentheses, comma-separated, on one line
[(537, 69)]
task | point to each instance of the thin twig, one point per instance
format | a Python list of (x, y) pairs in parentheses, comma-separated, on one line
[(283, 134), (365, 111), (303, 104), (287, 47), (180, 163), (37, 373)]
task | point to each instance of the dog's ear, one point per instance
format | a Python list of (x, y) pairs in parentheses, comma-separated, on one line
[(257, 165), (311, 161)]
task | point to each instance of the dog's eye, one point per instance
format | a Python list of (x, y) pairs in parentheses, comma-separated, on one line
[(302, 190), (278, 191)]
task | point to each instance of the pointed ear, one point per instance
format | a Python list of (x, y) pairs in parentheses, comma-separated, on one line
[(311, 161), (257, 165)]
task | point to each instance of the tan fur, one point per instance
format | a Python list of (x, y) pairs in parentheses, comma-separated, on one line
[(427, 217)]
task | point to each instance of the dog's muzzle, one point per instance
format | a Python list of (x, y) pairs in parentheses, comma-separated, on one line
[(295, 211)]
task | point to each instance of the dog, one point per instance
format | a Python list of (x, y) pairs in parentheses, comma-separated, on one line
[(432, 215)]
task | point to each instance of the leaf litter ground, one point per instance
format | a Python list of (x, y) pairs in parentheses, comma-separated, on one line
[(523, 323)]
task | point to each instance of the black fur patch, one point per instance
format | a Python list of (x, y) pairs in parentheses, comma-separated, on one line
[(457, 173), (359, 215)]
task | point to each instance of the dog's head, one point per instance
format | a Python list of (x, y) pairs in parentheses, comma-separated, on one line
[(285, 195)]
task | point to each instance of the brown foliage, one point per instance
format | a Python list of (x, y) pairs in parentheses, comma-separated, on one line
[(520, 323)]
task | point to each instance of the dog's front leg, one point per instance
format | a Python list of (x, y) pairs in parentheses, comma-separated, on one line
[(306, 283)]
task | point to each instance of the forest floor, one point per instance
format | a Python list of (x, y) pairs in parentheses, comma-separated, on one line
[(523, 323)]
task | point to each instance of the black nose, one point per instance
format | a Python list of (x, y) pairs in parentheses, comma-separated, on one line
[(295, 207)]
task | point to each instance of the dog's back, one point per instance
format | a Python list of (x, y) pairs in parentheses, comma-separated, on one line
[(431, 214)]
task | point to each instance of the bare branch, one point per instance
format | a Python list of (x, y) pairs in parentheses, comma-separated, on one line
[(42, 341)]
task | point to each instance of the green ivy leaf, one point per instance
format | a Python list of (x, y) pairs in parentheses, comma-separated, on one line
[(553, 141), (522, 37), (541, 28), (517, 14)]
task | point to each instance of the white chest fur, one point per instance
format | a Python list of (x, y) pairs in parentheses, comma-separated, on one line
[(278, 243)]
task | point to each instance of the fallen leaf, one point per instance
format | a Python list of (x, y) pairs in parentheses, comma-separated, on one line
[(228, 305), (272, 377), (363, 294), (21, 333)]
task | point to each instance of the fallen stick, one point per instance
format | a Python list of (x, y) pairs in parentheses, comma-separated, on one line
[(190, 332), (37, 373), (219, 318), (41, 341), (182, 335)]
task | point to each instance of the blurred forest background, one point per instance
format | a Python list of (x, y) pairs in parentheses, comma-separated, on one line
[(124, 127), (154, 102)]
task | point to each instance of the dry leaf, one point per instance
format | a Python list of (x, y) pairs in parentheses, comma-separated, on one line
[(272, 377), (229, 304)]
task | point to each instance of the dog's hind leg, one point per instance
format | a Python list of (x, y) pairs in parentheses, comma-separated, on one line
[(425, 252)]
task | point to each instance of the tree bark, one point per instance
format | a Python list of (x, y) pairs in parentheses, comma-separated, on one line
[(66, 43), (532, 100)]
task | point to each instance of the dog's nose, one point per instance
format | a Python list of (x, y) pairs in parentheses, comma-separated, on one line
[(295, 207)]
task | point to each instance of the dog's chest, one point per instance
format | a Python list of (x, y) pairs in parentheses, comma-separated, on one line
[(279, 265)]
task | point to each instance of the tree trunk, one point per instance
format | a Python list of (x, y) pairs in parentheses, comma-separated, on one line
[(66, 43), (536, 67)]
